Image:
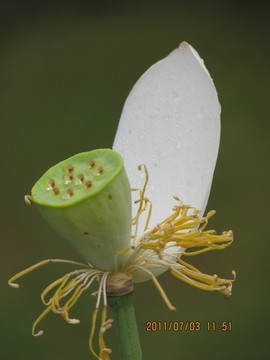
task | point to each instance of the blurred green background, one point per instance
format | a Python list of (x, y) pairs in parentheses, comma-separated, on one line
[(66, 69)]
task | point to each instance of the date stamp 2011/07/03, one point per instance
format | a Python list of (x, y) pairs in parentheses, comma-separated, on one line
[(223, 326)]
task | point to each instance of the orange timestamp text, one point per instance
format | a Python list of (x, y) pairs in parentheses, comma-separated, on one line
[(153, 326)]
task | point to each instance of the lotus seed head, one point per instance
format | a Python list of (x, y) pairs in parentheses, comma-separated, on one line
[(82, 202), (90, 183)]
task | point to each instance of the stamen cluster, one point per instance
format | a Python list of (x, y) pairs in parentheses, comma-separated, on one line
[(156, 250)]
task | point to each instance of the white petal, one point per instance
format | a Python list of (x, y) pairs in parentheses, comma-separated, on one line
[(171, 123)]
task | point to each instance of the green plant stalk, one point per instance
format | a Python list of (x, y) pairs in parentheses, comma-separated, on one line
[(126, 326)]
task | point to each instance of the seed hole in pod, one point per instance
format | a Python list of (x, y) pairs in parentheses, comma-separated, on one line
[(92, 163), (70, 191), (110, 196), (56, 190), (100, 169), (86, 233), (88, 183), (80, 176), (51, 182), (70, 168), (70, 176)]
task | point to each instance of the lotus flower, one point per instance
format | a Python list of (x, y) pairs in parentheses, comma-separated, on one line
[(168, 139)]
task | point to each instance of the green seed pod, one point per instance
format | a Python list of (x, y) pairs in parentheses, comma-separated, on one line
[(86, 199)]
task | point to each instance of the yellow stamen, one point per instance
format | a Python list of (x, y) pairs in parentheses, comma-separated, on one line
[(207, 282), (82, 289), (36, 266), (148, 216), (122, 252), (56, 298), (93, 327), (49, 288), (41, 316), (141, 200), (103, 352), (212, 247), (119, 253), (28, 199), (68, 305), (26, 271), (183, 229), (173, 231), (158, 286)]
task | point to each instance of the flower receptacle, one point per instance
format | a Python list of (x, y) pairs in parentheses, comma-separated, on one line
[(86, 199)]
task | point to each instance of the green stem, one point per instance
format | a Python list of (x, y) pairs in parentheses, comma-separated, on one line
[(126, 326)]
